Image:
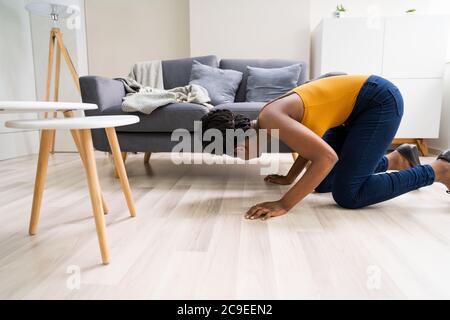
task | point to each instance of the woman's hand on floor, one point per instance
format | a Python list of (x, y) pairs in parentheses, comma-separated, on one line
[(278, 179), (266, 210)]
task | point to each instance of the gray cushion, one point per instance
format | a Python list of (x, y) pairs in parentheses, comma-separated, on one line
[(177, 73), (248, 109), (163, 119), (221, 84), (264, 84), (241, 65)]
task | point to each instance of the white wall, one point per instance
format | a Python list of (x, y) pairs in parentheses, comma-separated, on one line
[(120, 33), (16, 76), (250, 28)]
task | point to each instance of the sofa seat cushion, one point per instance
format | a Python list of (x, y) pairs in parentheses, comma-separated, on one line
[(163, 119), (248, 109)]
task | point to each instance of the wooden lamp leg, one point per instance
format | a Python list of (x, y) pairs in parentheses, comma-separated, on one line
[(51, 49), (57, 75), (41, 172), (57, 40), (147, 157), (67, 58), (94, 191), (120, 169), (56, 88)]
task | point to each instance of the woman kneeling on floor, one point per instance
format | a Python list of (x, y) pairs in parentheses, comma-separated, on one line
[(343, 125)]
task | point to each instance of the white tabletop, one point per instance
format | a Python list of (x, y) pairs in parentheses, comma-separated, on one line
[(43, 106), (74, 123)]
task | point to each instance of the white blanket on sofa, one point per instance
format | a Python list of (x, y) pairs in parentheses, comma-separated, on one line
[(148, 74), (145, 92), (148, 99)]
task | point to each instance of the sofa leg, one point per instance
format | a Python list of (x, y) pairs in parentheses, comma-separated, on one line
[(147, 157)]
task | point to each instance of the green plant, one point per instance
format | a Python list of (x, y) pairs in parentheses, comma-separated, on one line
[(411, 10), (340, 8)]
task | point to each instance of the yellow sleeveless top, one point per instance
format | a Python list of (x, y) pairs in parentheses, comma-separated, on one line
[(328, 102)]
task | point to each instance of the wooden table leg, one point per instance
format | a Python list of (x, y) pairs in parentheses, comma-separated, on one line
[(124, 158), (76, 139), (94, 191), (41, 172), (120, 168), (423, 146)]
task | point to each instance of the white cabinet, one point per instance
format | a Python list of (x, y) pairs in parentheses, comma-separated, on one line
[(410, 51), (336, 42), (415, 47), (422, 99)]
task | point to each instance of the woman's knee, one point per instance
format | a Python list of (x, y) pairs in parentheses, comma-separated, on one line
[(346, 198), (323, 188)]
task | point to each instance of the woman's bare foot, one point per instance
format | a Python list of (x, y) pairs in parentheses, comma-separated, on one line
[(442, 172), (397, 162)]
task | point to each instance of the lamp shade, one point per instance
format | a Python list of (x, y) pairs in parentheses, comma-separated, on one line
[(50, 10)]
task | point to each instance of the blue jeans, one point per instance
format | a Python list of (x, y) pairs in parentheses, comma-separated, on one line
[(359, 178)]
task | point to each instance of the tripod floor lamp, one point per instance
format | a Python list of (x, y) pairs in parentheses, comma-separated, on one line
[(55, 12)]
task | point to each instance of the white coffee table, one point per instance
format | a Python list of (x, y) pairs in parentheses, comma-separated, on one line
[(82, 127), (43, 106), (81, 133), (67, 109)]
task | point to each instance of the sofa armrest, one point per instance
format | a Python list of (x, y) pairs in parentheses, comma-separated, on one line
[(104, 92)]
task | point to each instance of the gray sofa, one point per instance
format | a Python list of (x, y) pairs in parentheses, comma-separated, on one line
[(153, 132)]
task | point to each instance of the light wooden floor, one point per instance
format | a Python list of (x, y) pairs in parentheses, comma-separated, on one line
[(190, 240)]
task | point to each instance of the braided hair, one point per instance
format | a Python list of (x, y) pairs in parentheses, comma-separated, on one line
[(223, 119)]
